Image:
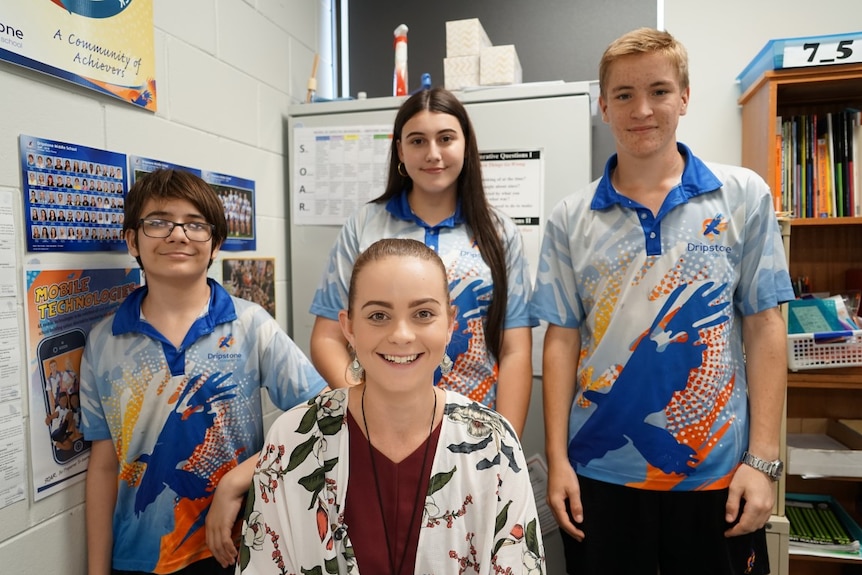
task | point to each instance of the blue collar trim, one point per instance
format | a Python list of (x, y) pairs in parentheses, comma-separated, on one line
[(128, 316), (697, 179), (399, 207)]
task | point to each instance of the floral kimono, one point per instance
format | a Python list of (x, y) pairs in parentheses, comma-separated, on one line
[(479, 517)]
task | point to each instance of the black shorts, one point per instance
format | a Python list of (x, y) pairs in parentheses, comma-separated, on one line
[(638, 532)]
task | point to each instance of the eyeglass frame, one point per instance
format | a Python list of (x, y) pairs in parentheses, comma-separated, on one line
[(173, 225)]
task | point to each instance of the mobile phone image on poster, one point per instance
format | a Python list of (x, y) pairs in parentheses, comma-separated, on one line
[(61, 307), (59, 358), (74, 196)]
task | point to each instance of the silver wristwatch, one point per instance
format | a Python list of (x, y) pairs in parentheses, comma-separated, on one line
[(772, 469)]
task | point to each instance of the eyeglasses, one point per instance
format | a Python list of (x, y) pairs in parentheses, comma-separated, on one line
[(195, 231)]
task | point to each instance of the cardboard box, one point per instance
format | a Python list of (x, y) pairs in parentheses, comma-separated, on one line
[(824, 447), (460, 72), (499, 65), (465, 38)]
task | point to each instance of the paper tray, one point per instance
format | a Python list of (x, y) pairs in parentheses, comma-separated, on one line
[(824, 448)]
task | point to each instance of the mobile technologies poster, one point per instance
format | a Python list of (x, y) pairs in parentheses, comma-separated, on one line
[(61, 307)]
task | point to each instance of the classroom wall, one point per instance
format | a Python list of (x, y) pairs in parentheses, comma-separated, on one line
[(226, 71), (722, 38)]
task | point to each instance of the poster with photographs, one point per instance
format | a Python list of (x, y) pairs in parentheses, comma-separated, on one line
[(252, 279), (237, 197), (138, 166), (73, 196)]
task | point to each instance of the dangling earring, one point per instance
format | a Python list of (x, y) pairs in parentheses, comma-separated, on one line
[(445, 364), (357, 372), (401, 170)]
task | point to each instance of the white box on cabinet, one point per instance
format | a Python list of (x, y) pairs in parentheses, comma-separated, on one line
[(499, 65), (460, 72), (465, 38)]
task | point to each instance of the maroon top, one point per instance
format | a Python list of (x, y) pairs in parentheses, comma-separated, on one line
[(398, 489)]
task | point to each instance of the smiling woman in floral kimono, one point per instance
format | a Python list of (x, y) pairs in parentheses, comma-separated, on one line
[(394, 475)]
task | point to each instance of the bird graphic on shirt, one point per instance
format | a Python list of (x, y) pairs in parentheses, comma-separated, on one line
[(166, 467), (673, 337)]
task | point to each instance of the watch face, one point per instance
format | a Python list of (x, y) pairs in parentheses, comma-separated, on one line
[(779, 467)]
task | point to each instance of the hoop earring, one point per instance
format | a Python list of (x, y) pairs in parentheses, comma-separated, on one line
[(399, 169), (446, 364)]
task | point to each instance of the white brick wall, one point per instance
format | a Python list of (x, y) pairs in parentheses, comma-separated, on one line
[(226, 71)]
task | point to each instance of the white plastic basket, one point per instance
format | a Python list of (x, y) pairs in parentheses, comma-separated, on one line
[(824, 350)]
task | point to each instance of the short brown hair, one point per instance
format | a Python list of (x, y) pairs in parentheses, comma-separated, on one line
[(645, 41), (170, 184)]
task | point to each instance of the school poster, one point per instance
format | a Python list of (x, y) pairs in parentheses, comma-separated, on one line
[(237, 198), (60, 309), (103, 45), (252, 279), (139, 165), (73, 196)]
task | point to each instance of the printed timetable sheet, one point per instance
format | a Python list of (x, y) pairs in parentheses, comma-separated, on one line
[(336, 170)]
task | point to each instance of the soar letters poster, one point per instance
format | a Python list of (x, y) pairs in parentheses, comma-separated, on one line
[(104, 45)]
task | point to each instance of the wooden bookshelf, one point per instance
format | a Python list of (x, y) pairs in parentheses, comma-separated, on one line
[(788, 92), (821, 249)]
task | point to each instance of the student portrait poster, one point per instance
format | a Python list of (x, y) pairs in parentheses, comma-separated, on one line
[(73, 196), (62, 306), (236, 195), (106, 46)]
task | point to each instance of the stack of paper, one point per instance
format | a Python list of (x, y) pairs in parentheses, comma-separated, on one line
[(819, 525)]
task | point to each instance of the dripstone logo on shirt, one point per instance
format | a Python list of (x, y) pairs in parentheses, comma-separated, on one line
[(224, 344), (712, 230), (713, 227)]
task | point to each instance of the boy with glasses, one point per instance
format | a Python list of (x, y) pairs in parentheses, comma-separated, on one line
[(171, 392)]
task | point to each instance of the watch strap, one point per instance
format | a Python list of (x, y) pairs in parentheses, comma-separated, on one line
[(772, 469)]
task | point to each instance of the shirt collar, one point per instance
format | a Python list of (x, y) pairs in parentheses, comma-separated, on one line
[(128, 319), (697, 179), (399, 207)]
